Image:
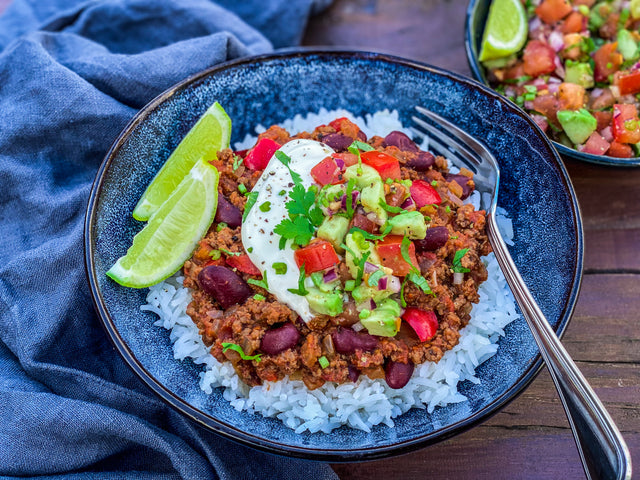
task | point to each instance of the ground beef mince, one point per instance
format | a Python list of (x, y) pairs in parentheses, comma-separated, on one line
[(338, 348)]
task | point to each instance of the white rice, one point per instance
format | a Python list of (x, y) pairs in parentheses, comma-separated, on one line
[(367, 402)]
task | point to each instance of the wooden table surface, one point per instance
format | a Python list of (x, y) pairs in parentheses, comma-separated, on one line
[(530, 438)]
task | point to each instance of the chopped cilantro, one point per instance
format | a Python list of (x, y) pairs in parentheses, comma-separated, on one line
[(242, 189), (265, 207), (280, 268), (371, 236), (259, 297), (304, 216), (250, 249), (414, 275), (404, 251), (357, 144), (390, 208), (447, 209), (301, 290), (214, 254), (286, 160), (260, 283), (237, 161), (359, 261), (237, 348), (457, 259), (324, 363), (434, 183), (420, 282), (374, 278), (403, 302), (221, 226), (350, 184), (251, 200), (282, 193), (230, 253), (299, 230), (364, 313)]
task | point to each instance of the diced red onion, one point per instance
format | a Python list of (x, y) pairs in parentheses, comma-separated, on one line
[(394, 284), (535, 23), (554, 80), (458, 277), (541, 121), (370, 267), (528, 105), (559, 67), (330, 275), (357, 327), (607, 134), (454, 199), (372, 304), (554, 87), (382, 283), (408, 203), (556, 40), (354, 199), (539, 82), (636, 66), (339, 162)]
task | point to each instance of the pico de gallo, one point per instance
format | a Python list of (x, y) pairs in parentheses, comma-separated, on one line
[(578, 75), (334, 255)]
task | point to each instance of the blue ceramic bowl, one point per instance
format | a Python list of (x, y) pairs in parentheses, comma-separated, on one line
[(474, 28), (535, 191)]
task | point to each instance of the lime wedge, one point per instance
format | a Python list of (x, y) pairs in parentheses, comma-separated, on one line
[(506, 30), (211, 133), (173, 231)]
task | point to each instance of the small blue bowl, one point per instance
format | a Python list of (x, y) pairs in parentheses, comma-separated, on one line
[(535, 191), (474, 28)]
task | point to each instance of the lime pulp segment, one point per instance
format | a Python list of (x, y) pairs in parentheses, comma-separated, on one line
[(173, 231), (212, 132), (506, 30)]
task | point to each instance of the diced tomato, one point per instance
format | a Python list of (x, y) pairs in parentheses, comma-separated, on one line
[(572, 43), (571, 96), (626, 125), (316, 256), (258, 157), (539, 58), (390, 251), (386, 165), (347, 158), (574, 23), (327, 172), (596, 144), (628, 82), (424, 194), (607, 61), (361, 221), (548, 106), (346, 127), (603, 119), (620, 150), (550, 11), (423, 322), (516, 71), (337, 123), (243, 263)]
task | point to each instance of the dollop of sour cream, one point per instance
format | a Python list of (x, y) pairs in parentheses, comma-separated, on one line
[(258, 237)]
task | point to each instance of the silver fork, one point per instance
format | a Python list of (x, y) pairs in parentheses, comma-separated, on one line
[(602, 449)]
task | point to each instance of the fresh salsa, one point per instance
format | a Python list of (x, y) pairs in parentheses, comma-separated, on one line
[(334, 255), (578, 75)]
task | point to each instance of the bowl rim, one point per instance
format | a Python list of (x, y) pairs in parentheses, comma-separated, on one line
[(233, 433), (478, 74)]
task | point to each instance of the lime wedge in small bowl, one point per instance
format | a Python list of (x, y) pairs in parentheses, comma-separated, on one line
[(173, 231), (506, 30), (211, 133)]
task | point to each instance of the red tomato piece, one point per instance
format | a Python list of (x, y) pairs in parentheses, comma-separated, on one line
[(243, 263), (574, 23), (628, 82), (548, 105), (390, 251), (423, 322), (603, 119), (626, 125), (327, 172), (620, 150), (361, 221), (539, 58), (550, 11), (424, 194), (596, 144), (337, 123), (607, 61), (346, 127), (571, 96), (386, 165), (347, 158), (316, 256), (258, 157)]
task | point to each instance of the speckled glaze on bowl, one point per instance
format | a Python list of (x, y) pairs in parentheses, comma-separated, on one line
[(474, 28), (535, 190)]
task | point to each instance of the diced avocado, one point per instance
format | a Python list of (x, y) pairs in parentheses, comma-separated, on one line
[(410, 224), (634, 7), (579, 73), (365, 292), (359, 248), (334, 229), (627, 45), (364, 175), (371, 187), (578, 124), (326, 303), (384, 320)]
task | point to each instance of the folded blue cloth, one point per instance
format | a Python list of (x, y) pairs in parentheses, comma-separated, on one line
[(72, 74)]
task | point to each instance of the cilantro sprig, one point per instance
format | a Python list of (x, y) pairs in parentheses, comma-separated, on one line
[(304, 217), (414, 275), (371, 236), (286, 161), (457, 261), (237, 348), (301, 290), (251, 201), (390, 208), (260, 283)]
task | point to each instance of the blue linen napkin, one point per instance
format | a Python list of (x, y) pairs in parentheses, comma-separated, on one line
[(72, 74)]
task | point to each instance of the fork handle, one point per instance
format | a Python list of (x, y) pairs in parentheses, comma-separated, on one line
[(602, 449)]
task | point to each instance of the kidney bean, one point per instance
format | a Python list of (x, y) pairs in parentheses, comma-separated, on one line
[(337, 141), (345, 340), (224, 285), (435, 238), (360, 220), (228, 213), (280, 339), (354, 373), (361, 136), (422, 162), (460, 180), (398, 374), (400, 140)]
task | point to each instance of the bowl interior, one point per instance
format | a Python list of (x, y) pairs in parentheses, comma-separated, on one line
[(535, 191), (474, 28)]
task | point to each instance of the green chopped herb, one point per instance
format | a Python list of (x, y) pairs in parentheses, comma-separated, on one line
[(316, 278), (349, 197), (414, 275), (301, 290), (286, 160), (250, 249), (365, 313), (230, 253), (371, 236), (374, 278), (531, 89), (280, 268), (260, 283), (237, 161), (360, 240), (404, 251), (237, 348), (365, 147), (299, 230), (403, 302), (265, 207), (282, 193), (259, 297), (453, 237), (434, 183), (390, 208), (420, 282), (457, 259), (447, 209), (221, 226), (251, 200), (324, 363), (304, 216), (242, 189), (349, 285), (360, 261), (214, 254)]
